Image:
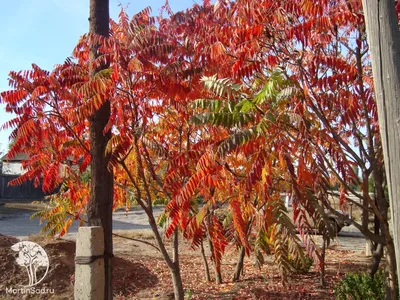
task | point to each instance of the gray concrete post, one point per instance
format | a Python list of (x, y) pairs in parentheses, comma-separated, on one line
[(89, 269)]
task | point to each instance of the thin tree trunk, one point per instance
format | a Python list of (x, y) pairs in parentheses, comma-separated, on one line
[(322, 272), (218, 275), (376, 248), (179, 293), (101, 185), (384, 40), (377, 254), (239, 264), (176, 271), (205, 263), (173, 265)]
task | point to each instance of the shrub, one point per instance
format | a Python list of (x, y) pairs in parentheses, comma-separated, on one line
[(300, 266), (361, 286)]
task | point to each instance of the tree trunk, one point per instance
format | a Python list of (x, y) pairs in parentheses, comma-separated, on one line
[(376, 258), (205, 263), (384, 40), (218, 275), (239, 264), (323, 251), (173, 265), (390, 272), (176, 271), (101, 185), (179, 293)]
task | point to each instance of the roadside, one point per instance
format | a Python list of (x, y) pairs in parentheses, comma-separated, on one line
[(11, 209), (15, 221)]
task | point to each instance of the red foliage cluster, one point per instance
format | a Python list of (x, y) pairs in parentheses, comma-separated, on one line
[(292, 96)]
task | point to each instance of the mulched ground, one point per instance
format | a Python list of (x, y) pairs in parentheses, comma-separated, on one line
[(255, 284), (61, 255), (140, 276)]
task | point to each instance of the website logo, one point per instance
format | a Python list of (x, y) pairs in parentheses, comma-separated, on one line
[(34, 259)]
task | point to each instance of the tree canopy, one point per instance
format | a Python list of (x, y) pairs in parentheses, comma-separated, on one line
[(228, 105)]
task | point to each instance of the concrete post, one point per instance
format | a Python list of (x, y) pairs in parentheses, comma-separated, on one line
[(89, 264), (368, 249)]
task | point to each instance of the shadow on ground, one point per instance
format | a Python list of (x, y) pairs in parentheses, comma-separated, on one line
[(130, 277)]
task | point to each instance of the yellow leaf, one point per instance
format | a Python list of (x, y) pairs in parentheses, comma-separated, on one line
[(282, 160)]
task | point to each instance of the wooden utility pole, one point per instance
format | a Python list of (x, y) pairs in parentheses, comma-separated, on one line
[(384, 41), (101, 184)]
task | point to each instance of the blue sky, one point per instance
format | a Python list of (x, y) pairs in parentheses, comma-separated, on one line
[(44, 32)]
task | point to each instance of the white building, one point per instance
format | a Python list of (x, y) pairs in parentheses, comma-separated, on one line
[(13, 166)]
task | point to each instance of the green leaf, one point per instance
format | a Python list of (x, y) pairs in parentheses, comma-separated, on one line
[(237, 139), (221, 87), (210, 104), (246, 106)]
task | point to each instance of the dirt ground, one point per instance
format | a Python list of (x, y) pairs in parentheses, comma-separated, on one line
[(140, 273)]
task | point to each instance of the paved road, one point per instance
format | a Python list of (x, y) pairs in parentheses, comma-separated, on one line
[(19, 225), (350, 238)]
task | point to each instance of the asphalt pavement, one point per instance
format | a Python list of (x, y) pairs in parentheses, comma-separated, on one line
[(19, 224)]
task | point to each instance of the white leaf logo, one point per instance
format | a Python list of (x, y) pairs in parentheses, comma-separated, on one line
[(32, 257)]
